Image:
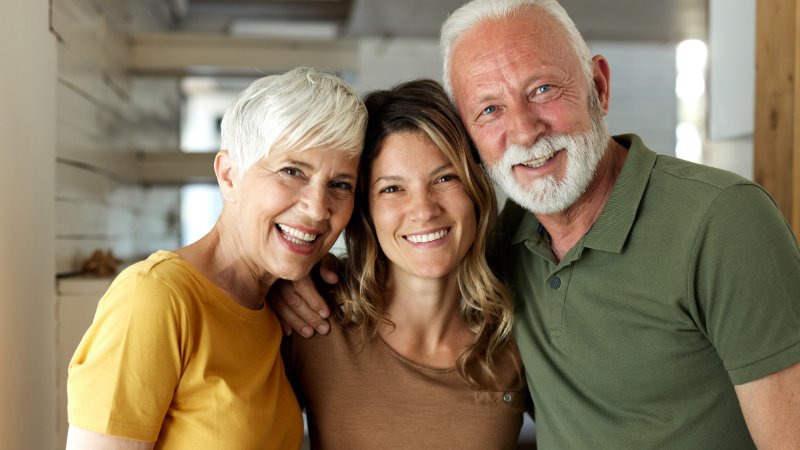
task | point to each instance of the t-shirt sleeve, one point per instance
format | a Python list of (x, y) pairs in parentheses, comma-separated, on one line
[(747, 284), (125, 370)]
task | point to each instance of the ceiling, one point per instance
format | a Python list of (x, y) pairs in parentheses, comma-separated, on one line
[(625, 20)]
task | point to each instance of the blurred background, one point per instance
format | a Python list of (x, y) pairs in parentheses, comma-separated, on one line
[(111, 109)]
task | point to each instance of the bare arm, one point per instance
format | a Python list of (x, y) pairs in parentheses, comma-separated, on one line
[(80, 439), (771, 408)]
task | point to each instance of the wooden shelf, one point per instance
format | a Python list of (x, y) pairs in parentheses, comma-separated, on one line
[(167, 167)]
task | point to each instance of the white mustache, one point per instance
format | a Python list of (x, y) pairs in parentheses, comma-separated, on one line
[(545, 147)]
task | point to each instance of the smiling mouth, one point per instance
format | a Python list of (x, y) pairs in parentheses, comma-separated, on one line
[(427, 237), (296, 236), (539, 162)]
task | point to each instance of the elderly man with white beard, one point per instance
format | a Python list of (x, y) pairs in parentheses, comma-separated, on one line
[(657, 301)]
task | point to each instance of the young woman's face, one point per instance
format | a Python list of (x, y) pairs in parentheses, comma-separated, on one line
[(291, 207), (424, 219)]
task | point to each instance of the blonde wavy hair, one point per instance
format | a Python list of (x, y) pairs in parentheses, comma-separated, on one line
[(486, 306)]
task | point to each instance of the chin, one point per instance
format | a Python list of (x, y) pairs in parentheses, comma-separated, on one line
[(294, 274), (434, 272)]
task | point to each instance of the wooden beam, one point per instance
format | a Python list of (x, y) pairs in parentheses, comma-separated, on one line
[(186, 53), (176, 167), (777, 121), (159, 167)]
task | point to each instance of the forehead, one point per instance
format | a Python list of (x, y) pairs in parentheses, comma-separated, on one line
[(525, 41), (407, 148)]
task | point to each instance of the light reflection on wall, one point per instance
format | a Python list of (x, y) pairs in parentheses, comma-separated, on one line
[(205, 102), (690, 83)]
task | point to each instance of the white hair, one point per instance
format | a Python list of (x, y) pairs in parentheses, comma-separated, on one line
[(477, 11), (301, 109)]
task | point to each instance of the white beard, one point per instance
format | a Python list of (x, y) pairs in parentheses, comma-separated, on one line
[(548, 195)]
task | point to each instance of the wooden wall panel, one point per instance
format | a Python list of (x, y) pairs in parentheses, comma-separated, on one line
[(99, 204), (777, 122)]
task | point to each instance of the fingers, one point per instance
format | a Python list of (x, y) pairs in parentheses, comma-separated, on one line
[(299, 307), (290, 321)]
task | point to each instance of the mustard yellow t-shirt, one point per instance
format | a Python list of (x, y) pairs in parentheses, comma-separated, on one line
[(171, 358)]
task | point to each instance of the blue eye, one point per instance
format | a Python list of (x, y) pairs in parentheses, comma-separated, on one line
[(543, 88), (488, 110)]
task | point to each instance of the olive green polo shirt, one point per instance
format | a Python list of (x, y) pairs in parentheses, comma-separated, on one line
[(688, 283)]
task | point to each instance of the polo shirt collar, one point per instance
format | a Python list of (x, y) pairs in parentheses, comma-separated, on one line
[(613, 226)]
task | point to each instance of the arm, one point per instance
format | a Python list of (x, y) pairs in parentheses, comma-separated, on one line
[(771, 407), (124, 372), (751, 298), (80, 439)]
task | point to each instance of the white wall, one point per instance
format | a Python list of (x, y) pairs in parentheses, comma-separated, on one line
[(732, 70), (27, 127), (643, 97), (383, 63)]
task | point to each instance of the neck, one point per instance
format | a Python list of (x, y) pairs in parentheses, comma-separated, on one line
[(219, 257), (567, 227), (428, 325)]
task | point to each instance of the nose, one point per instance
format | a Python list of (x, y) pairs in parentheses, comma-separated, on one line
[(424, 206), (314, 202), (526, 125)]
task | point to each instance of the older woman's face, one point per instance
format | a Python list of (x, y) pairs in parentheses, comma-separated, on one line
[(423, 217), (292, 206)]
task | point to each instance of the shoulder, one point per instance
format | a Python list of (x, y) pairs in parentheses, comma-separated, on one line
[(321, 362), (339, 338), (698, 178), (679, 189), (158, 282)]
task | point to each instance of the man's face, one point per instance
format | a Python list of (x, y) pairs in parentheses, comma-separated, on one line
[(524, 98)]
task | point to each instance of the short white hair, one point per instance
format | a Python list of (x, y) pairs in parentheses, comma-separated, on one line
[(477, 11), (301, 109)]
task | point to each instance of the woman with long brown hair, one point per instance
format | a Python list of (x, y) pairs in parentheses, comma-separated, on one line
[(420, 353)]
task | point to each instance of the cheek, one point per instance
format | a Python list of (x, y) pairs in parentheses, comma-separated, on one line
[(341, 214), (384, 223), (489, 142), (567, 117)]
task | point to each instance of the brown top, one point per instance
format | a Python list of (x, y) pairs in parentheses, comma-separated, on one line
[(376, 398)]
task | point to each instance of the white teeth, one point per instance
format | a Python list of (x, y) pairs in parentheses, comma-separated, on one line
[(537, 162), (421, 238), (296, 236)]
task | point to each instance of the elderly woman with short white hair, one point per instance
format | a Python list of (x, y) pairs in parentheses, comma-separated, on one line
[(182, 352)]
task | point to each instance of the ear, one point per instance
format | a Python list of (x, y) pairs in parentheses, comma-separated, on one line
[(601, 76), (227, 177)]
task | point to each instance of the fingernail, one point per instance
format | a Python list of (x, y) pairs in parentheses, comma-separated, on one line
[(307, 331), (323, 313), (323, 328)]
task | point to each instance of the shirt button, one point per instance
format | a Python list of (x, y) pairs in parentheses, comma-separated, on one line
[(507, 397), (555, 283)]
